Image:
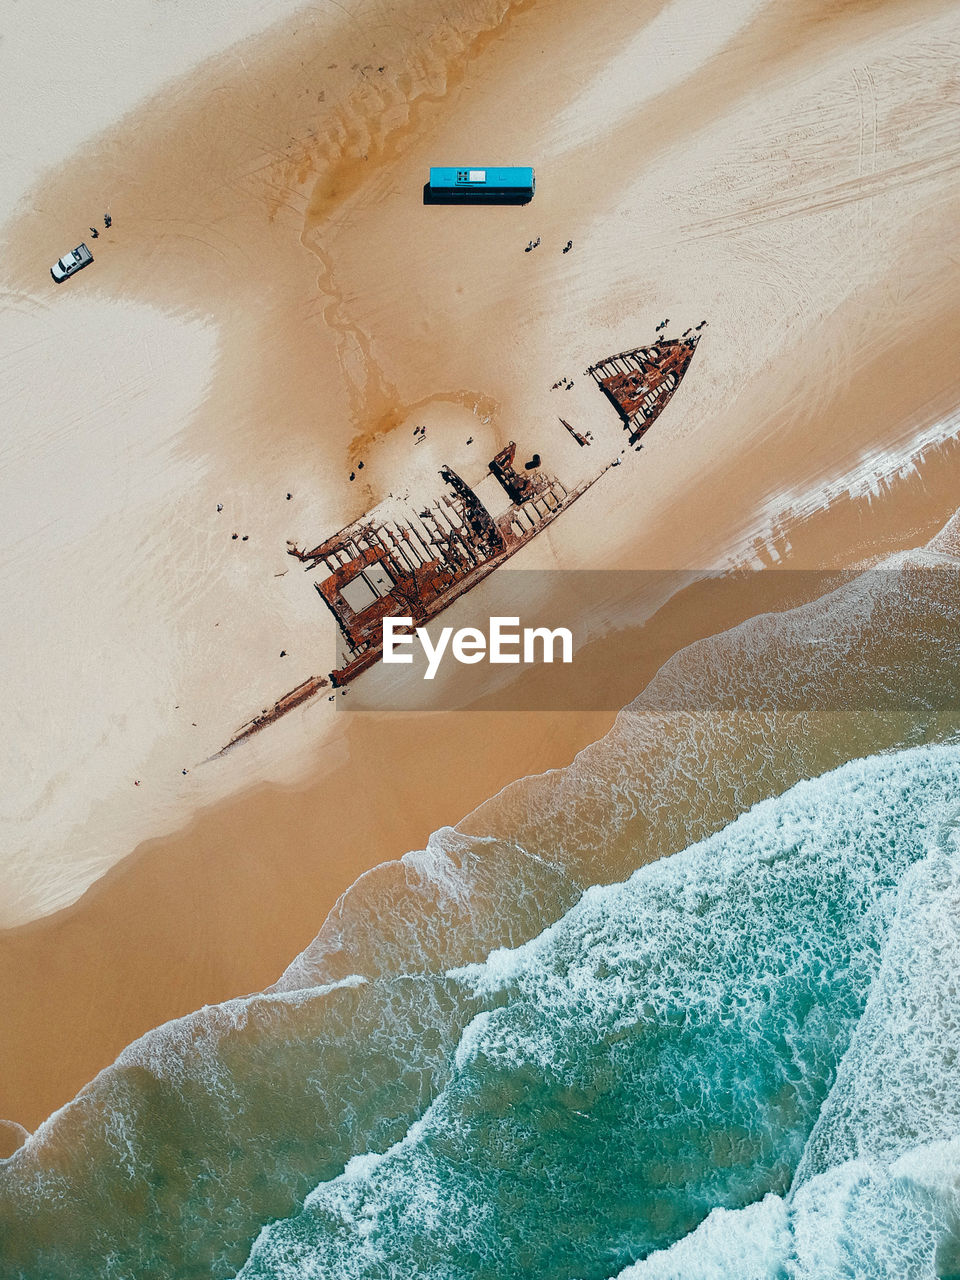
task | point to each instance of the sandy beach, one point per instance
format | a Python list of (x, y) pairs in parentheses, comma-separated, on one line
[(273, 304), (220, 907)]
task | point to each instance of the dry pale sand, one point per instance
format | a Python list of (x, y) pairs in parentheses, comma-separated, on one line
[(274, 304)]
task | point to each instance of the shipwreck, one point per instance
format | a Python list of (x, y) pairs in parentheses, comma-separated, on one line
[(414, 560), (640, 383)]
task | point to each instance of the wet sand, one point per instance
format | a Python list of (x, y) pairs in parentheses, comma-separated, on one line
[(220, 908), (274, 304)]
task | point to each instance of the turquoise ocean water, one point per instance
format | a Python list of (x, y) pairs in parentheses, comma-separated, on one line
[(538, 1048)]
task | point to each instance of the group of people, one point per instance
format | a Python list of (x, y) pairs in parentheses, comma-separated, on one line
[(566, 383), (235, 536), (533, 244), (107, 222)]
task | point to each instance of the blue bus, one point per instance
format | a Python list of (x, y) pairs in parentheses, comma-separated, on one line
[(466, 184)]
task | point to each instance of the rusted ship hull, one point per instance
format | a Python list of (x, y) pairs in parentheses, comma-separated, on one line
[(406, 563), (418, 566), (641, 383), (295, 698)]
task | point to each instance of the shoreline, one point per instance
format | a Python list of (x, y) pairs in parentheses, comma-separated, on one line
[(220, 908)]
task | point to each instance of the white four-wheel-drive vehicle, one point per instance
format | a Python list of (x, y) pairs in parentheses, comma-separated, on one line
[(71, 263)]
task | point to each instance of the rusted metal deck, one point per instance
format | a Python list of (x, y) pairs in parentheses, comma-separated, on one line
[(398, 562), (416, 564), (640, 383)]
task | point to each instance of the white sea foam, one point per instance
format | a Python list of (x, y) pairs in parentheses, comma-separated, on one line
[(899, 1082), (800, 901), (740, 1244), (860, 1221), (877, 1192)]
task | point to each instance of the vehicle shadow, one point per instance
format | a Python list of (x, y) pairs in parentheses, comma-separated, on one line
[(471, 197)]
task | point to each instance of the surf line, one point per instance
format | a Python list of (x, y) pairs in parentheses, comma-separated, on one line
[(505, 643)]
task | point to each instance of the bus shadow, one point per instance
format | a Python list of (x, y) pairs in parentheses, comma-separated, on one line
[(471, 197)]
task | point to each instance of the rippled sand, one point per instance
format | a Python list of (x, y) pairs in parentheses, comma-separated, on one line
[(274, 304)]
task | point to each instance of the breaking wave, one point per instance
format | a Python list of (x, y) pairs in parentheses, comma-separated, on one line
[(877, 1190), (440, 1086), (691, 1040)]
